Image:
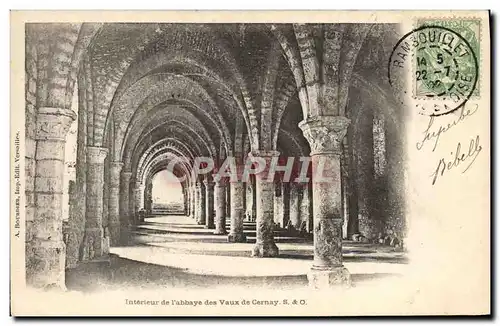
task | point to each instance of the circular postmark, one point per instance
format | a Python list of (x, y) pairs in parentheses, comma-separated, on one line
[(434, 66)]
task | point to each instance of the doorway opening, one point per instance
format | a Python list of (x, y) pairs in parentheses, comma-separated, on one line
[(167, 194)]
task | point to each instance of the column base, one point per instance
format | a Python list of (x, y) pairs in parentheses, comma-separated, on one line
[(94, 244), (268, 249), (236, 237), (45, 267), (124, 235), (114, 234), (327, 278), (220, 232), (89, 275), (210, 227), (200, 222), (72, 240)]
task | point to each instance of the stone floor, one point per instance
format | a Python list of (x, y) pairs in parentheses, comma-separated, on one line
[(173, 251)]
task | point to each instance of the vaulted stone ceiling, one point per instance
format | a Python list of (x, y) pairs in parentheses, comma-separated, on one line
[(224, 89)]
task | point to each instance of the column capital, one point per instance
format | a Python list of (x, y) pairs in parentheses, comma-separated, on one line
[(96, 155), (208, 183), (117, 165), (325, 133), (126, 175), (114, 172), (221, 182), (264, 153), (115, 169), (53, 123)]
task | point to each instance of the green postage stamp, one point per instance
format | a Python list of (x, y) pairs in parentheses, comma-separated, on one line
[(445, 61)]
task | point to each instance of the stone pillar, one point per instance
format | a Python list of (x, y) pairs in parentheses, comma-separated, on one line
[(251, 205), (325, 135), (77, 208), (351, 200), (306, 209), (148, 197), (236, 233), (228, 201), (294, 205), (265, 246), (200, 204), (187, 199), (47, 266), (367, 220), (193, 201), (286, 202), (125, 216), (196, 210), (114, 202), (139, 195), (220, 207), (278, 205), (132, 202), (95, 243), (209, 189)]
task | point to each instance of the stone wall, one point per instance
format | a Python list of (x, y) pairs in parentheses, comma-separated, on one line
[(30, 116)]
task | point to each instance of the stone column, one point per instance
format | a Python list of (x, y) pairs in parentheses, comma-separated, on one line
[(278, 205), (236, 233), (139, 195), (148, 197), (132, 202), (193, 201), (294, 205), (285, 187), (265, 246), (365, 172), (47, 265), (187, 200), (228, 201), (209, 189), (220, 207), (95, 243), (254, 200), (125, 216), (350, 198), (200, 204), (325, 135), (196, 210), (251, 205), (114, 202), (77, 207)]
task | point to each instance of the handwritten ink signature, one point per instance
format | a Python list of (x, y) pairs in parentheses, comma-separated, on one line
[(459, 158), (432, 134)]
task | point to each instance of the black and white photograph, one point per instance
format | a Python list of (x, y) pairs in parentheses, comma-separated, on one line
[(259, 167)]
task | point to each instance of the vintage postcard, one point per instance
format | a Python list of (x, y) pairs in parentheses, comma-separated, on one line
[(264, 163)]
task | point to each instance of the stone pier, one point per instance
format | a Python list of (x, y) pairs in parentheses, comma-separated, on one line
[(125, 215), (209, 214), (237, 212), (295, 205), (265, 246), (46, 267), (325, 135), (220, 207), (114, 203), (200, 204), (94, 241)]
